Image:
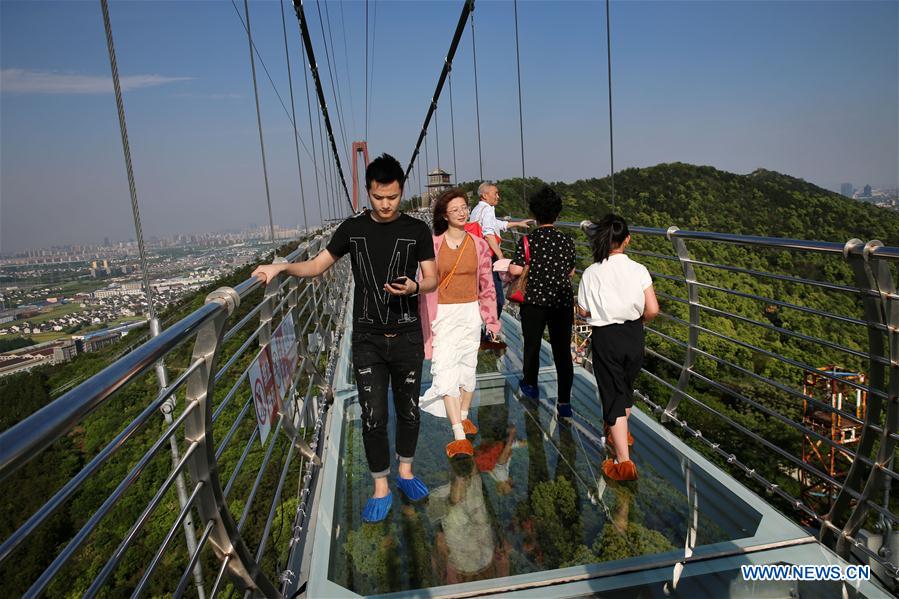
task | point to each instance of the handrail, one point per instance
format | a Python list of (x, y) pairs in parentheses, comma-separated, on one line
[(25, 440), (216, 428), (696, 335), (205, 326)]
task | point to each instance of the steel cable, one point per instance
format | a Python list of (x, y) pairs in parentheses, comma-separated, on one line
[(293, 115)]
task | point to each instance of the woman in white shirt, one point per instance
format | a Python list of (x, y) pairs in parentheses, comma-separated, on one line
[(615, 297)]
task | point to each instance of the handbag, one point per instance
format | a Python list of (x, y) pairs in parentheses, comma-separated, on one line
[(519, 285)]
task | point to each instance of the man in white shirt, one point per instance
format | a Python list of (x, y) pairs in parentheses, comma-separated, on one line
[(485, 215)]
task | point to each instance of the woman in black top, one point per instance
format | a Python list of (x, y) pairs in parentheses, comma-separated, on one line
[(548, 299)]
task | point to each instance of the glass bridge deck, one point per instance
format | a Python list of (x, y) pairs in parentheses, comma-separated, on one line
[(531, 514)]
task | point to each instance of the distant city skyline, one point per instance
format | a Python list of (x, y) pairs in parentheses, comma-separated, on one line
[(735, 85), (250, 232)]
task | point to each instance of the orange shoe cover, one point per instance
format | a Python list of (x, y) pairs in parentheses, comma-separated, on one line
[(626, 470), (469, 427), (460, 447)]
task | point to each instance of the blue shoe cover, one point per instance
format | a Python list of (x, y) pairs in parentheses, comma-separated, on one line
[(376, 509), (531, 391), (412, 488), (564, 410)]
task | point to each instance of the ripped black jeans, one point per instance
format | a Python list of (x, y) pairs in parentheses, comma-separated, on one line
[(378, 359)]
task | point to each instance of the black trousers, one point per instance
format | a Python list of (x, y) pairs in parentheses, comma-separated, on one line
[(377, 361), (617, 359), (534, 319)]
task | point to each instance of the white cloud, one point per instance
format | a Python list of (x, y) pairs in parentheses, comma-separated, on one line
[(26, 81)]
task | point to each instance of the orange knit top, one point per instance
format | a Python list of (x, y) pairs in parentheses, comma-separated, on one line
[(462, 288)]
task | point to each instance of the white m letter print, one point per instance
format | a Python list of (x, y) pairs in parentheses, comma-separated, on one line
[(374, 298)]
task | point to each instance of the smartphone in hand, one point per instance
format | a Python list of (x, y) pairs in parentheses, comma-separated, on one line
[(399, 282)]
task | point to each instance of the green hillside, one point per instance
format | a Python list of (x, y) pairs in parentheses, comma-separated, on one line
[(764, 203)]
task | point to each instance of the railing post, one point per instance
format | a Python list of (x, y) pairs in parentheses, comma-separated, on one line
[(167, 408), (314, 246), (293, 292), (269, 300), (683, 381), (872, 274), (225, 538), (266, 314), (692, 523)]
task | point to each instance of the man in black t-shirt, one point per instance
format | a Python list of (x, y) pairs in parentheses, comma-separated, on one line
[(386, 249)]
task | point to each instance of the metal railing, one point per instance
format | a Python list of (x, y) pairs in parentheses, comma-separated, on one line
[(704, 353), (212, 363), (696, 362)]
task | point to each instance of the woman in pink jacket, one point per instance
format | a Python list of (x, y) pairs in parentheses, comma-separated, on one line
[(451, 317)]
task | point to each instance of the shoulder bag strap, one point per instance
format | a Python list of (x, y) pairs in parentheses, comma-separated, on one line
[(446, 279)]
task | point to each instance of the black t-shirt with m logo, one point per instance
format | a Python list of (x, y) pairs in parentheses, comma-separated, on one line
[(382, 252)]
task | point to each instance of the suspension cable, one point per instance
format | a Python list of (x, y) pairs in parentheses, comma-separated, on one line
[(293, 115), (611, 136), (453, 127), (335, 87), (268, 75), (126, 149), (427, 171), (313, 67), (421, 193), (318, 191), (161, 373), (524, 184), (329, 188), (371, 76), (477, 102), (268, 197), (332, 179), (365, 116), (336, 203), (346, 61), (448, 61), (437, 137)]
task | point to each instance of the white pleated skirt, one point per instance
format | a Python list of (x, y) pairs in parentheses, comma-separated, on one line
[(454, 355)]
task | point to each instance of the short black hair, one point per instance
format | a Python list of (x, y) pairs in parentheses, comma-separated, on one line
[(545, 204), (384, 169)]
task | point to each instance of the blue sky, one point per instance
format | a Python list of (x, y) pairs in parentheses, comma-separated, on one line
[(805, 88)]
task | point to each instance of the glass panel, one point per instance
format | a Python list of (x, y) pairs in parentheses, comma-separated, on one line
[(532, 499)]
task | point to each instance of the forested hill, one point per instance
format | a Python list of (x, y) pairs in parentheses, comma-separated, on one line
[(704, 198)]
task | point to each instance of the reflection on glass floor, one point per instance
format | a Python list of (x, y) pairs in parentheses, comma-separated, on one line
[(532, 507), (530, 500)]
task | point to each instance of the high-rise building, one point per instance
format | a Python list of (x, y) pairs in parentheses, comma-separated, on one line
[(867, 192), (846, 189)]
